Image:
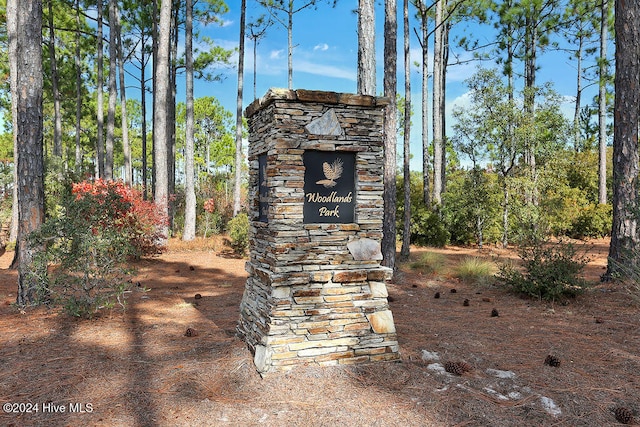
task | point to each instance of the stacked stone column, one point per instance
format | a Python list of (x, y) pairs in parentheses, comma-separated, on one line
[(316, 291)]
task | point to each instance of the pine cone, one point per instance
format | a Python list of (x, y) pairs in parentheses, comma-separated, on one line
[(552, 361), (623, 415), (494, 313), (457, 368)]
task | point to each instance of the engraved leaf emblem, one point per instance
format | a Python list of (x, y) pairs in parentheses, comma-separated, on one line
[(332, 172)]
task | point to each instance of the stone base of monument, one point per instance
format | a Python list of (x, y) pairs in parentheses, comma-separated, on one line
[(338, 317), (316, 291)]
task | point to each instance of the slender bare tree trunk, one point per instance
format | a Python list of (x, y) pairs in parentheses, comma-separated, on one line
[(366, 48), (78, 63), (624, 233), (602, 104), (426, 158), (576, 110), (189, 232), (13, 78), (160, 111), (57, 114), (406, 232), (290, 44), (126, 148), (390, 136), (26, 19), (237, 179), (171, 120), (438, 114), (113, 92), (100, 96), (143, 103)]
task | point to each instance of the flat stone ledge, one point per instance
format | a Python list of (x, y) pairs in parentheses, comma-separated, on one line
[(331, 98)]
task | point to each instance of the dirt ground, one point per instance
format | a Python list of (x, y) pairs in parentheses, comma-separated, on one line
[(137, 367)]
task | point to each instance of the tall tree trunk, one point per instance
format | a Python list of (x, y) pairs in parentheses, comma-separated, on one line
[(13, 82), (78, 63), (624, 233), (123, 103), (189, 232), (531, 47), (154, 62), (406, 231), (100, 96), (171, 121), (255, 69), (505, 213), (438, 114), (366, 48), (426, 163), (160, 112), (113, 93), (143, 106), (602, 104), (27, 16), (237, 180), (57, 114), (290, 45), (576, 111), (390, 136), (443, 99)]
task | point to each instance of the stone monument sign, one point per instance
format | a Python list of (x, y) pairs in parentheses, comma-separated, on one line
[(316, 291)]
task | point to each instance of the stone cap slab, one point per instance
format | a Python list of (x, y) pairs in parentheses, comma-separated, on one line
[(321, 97)]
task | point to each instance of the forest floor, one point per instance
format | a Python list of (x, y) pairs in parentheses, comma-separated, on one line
[(137, 367)]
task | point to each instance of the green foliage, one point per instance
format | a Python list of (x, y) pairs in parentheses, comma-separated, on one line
[(429, 263), (82, 263), (475, 270), (239, 233), (551, 270), (472, 207), (592, 221), (427, 228)]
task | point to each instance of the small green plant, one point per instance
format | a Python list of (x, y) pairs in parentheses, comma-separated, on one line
[(475, 270), (239, 233), (85, 248), (551, 270), (429, 262)]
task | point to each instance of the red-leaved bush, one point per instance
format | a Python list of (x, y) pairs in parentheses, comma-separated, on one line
[(114, 207), (85, 250)]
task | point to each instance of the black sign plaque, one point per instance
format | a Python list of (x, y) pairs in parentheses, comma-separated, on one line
[(263, 190), (329, 187)]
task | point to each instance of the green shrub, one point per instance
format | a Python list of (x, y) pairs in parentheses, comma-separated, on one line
[(427, 229), (551, 270), (475, 270), (429, 262), (593, 221), (100, 226), (239, 233)]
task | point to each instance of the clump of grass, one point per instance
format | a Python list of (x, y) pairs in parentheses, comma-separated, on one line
[(429, 262), (551, 271), (475, 270)]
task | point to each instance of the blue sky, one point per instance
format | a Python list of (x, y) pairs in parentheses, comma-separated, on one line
[(325, 58)]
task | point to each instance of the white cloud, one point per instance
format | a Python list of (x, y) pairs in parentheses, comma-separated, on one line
[(276, 54), (324, 70), (321, 46)]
